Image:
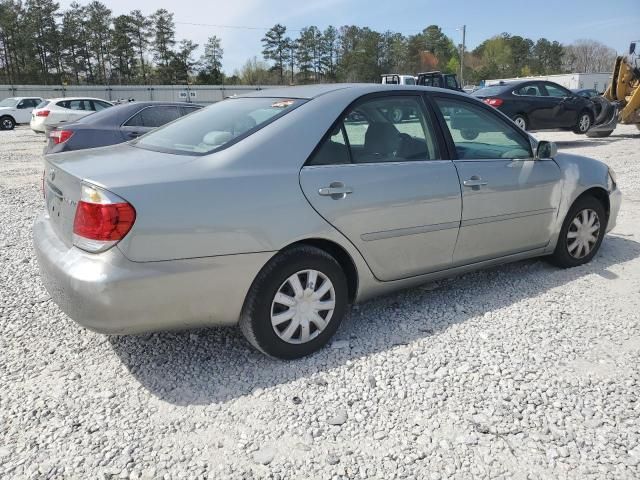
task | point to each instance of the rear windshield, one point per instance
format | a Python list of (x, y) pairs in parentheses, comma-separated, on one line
[(43, 104), (217, 126), (490, 91)]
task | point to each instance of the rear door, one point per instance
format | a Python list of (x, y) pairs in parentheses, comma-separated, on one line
[(387, 186), (509, 200), (537, 106)]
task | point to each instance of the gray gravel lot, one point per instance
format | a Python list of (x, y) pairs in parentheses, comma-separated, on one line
[(523, 371)]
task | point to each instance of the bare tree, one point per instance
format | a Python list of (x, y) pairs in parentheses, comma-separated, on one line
[(588, 56)]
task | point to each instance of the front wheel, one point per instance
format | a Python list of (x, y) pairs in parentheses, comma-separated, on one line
[(7, 123), (581, 234), (296, 303), (584, 124)]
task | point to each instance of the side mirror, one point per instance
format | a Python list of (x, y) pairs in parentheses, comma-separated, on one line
[(546, 150)]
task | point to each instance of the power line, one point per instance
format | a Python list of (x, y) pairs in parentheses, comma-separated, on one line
[(238, 27)]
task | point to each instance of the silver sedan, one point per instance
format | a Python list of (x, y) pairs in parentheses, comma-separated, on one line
[(277, 210)]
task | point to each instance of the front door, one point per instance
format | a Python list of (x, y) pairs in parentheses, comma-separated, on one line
[(509, 200), (566, 104), (382, 182)]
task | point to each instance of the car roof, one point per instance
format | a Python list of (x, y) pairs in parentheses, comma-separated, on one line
[(309, 92), (76, 98)]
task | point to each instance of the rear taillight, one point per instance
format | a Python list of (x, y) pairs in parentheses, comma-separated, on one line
[(42, 113), (494, 102), (102, 219), (60, 136)]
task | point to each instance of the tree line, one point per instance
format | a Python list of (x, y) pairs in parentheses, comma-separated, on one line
[(87, 44)]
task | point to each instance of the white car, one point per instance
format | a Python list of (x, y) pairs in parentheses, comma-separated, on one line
[(53, 112), (16, 110)]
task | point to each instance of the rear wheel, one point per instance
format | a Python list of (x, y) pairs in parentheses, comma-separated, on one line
[(296, 303), (521, 121), (581, 234), (583, 124), (7, 123)]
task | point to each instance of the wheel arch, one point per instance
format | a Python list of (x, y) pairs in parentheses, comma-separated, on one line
[(6, 115), (599, 194), (342, 257)]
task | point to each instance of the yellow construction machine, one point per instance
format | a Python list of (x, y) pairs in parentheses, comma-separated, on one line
[(625, 86)]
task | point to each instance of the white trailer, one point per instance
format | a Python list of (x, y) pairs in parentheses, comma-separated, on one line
[(596, 81)]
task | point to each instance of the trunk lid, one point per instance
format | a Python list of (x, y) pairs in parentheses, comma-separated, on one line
[(107, 167)]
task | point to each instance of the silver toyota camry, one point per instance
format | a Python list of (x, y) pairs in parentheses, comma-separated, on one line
[(278, 209)]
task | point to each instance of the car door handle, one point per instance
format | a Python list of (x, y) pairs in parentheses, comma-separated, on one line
[(474, 181), (335, 190)]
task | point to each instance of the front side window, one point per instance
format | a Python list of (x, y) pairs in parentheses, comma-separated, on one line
[(479, 133), (218, 125), (98, 105), (153, 117), (390, 129), (452, 82), (556, 91)]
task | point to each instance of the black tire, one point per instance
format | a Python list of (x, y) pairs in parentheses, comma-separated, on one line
[(7, 123), (255, 319), (469, 133), (521, 121), (561, 256), (599, 134), (603, 109), (580, 127)]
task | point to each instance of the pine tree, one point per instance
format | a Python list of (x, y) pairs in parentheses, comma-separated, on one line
[(211, 62), (275, 48)]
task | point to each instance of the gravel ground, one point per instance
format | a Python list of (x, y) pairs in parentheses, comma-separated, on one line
[(523, 371)]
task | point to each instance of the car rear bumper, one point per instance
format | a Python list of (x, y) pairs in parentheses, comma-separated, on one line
[(37, 124), (110, 294)]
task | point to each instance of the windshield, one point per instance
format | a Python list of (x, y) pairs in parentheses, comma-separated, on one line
[(216, 126), (9, 102), (490, 91)]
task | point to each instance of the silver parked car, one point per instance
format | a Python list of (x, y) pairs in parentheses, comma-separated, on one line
[(278, 209)]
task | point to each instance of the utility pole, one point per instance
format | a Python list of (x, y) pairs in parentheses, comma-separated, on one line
[(462, 48)]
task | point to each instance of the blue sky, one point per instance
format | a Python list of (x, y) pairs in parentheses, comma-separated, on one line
[(613, 22)]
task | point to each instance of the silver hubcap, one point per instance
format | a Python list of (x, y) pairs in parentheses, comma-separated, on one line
[(583, 233), (396, 115), (303, 306), (520, 122), (6, 123), (585, 123)]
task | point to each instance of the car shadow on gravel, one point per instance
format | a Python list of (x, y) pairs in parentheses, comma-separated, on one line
[(215, 365)]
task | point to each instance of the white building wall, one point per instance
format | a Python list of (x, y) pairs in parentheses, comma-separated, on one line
[(597, 81)]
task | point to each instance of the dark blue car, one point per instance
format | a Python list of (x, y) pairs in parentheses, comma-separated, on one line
[(115, 125)]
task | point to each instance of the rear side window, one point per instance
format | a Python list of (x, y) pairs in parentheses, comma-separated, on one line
[(410, 81), (75, 104), (218, 125), (388, 129), (153, 117), (529, 91), (479, 133)]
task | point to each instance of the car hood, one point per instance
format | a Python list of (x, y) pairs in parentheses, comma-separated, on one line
[(6, 109)]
